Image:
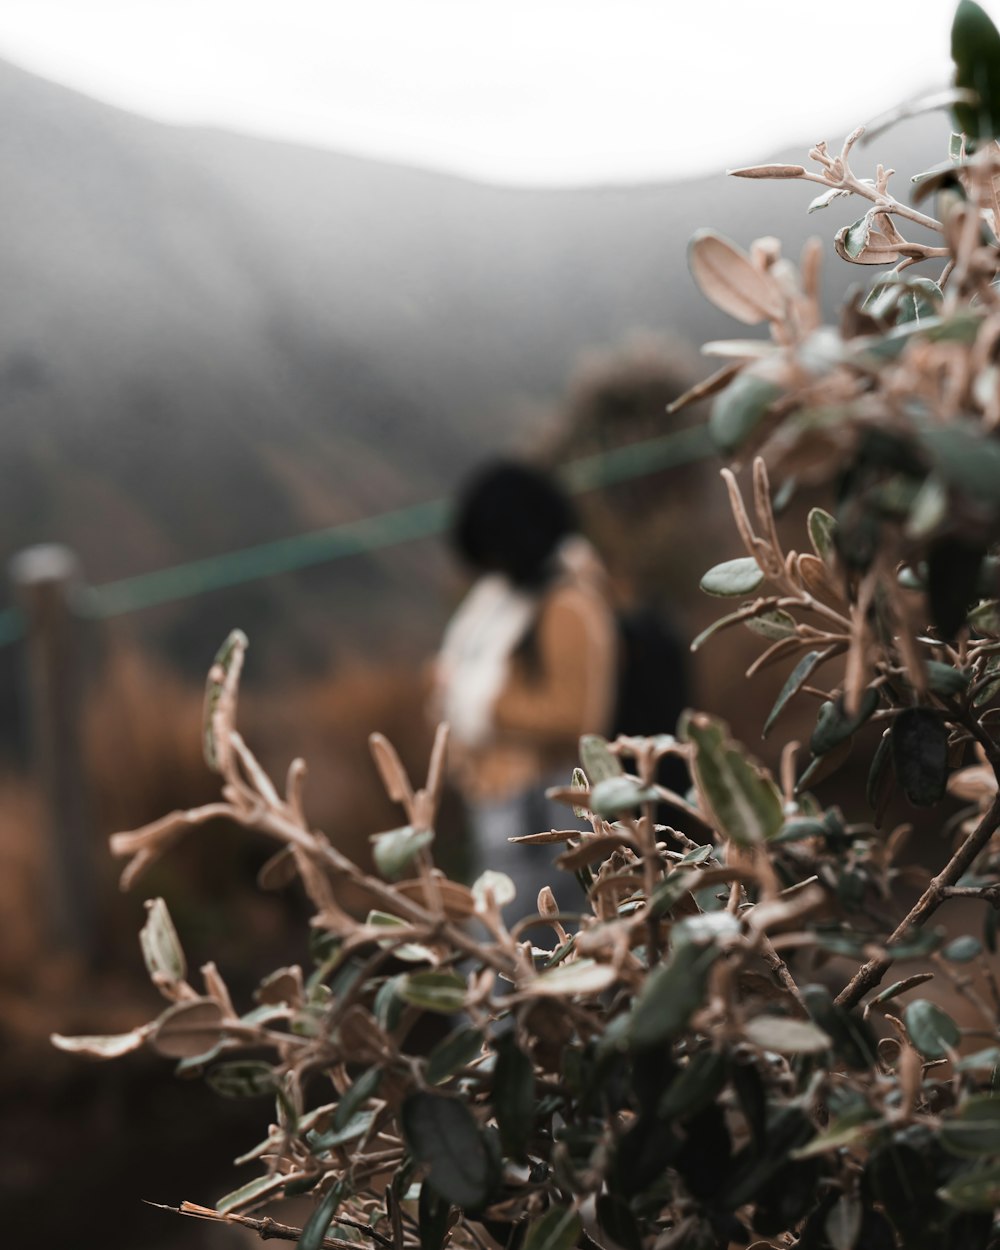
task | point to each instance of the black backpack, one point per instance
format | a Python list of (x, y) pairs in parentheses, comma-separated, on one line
[(653, 684)]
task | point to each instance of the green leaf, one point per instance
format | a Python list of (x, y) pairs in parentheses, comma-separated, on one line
[(599, 762), (355, 1097), (443, 1136), (879, 776), (409, 952), (671, 890), (979, 1060), (454, 1052), (899, 987), (975, 1130), (319, 1222), (579, 781), (615, 795), (945, 679), (966, 457), (733, 578), (917, 943), (796, 679), (823, 534), (251, 1192), (825, 199), (222, 682), (739, 409), (985, 617), (851, 1037), (834, 725), (910, 299), (353, 1129), (581, 976), (513, 1097), (977, 1190), (745, 804), (671, 994), (433, 991), (786, 1036), (843, 1222), (396, 850), (903, 1182), (823, 766), (161, 947), (975, 49), (961, 327), (932, 1031), (558, 1229), (846, 1130), (388, 1006), (920, 754), (799, 830), (432, 1216), (990, 689), (245, 1078), (928, 511), (773, 625), (963, 949), (911, 578), (729, 619), (855, 237), (695, 1086)]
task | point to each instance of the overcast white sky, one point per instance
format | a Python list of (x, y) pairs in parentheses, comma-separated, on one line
[(528, 91)]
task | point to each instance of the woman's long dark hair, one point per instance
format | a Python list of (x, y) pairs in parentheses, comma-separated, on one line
[(510, 518)]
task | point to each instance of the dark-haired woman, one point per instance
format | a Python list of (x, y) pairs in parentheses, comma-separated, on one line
[(527, 665)]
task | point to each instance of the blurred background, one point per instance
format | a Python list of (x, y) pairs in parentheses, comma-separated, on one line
[(273, 279)]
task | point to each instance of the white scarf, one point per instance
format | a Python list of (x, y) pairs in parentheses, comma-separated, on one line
[(472, 663), (490, 622)]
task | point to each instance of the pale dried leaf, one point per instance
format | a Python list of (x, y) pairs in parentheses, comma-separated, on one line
[(102, 1046), (435, 770), (282, 986), (390, 769), (767, 171), (593, 849), (278, 871), (582, 976), (188, 1029), (728, 278), (457, 900), (161, 948), (701, 390), (815, 576), (865, 244), (742, 349), (498, 884)]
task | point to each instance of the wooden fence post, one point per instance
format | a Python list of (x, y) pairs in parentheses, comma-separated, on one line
[(47, 582)]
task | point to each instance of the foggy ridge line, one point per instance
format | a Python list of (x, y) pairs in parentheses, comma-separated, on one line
[(387, 529)]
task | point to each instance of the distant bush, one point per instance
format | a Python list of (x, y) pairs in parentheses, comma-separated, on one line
[(669, 1074)]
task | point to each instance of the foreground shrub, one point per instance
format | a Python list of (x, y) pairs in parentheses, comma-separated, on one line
[(666, 1070)]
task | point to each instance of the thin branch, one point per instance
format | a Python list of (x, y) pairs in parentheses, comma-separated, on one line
[(870, 974), (266, 1228)]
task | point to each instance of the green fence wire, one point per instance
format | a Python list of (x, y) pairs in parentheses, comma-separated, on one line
[(388, 529)]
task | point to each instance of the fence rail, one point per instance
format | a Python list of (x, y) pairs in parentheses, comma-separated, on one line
[(52, 600), (387, 529)]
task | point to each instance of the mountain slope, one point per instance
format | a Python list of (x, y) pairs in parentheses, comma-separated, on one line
[(208, 341)]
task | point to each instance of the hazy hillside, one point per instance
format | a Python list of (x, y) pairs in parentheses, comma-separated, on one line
[(208, 341)]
